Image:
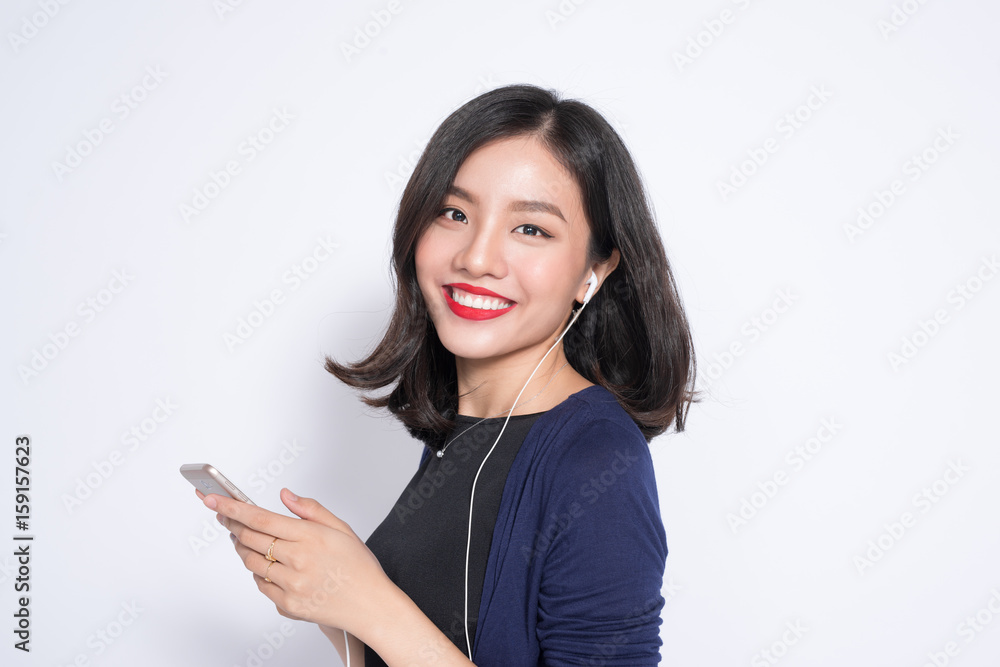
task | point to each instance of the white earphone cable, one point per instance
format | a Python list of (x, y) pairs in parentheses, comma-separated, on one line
[(468, 543)]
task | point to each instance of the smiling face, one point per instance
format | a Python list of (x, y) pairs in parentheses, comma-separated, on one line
[(502, 263)]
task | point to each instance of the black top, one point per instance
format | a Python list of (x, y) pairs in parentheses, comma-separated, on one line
[(421, 544)]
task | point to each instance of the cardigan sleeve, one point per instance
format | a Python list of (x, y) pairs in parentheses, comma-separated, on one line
[(603, 548)]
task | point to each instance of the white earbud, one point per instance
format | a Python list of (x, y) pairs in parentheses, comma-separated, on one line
[(593, 286)]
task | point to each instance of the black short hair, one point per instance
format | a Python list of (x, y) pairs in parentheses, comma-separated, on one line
[(633, 338)]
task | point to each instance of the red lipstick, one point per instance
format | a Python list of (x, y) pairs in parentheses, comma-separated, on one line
[(481, 291), (474, 313)]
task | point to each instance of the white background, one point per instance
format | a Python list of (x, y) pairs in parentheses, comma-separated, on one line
[(335, 172)]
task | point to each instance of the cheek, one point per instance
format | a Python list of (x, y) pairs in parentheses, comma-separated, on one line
[(553, 280), (427, 265), (423, 257)]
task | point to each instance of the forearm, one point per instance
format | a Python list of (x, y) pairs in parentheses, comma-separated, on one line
[(336, 637), (403, 636)]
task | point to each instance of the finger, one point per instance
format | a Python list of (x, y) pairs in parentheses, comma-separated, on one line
[(260, 566), (311, 509), (201, 496), (263, 544), (257, 518), (259, 542), (280, 550)]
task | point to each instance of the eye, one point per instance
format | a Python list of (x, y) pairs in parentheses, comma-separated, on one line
[(460, 217), (532, 230)]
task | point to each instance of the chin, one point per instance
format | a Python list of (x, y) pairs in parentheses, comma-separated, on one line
[(467, 351)]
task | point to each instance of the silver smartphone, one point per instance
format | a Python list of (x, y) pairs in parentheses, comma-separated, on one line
[(208, 480)]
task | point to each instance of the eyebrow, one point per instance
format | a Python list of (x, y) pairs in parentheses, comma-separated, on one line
[(520, 206)]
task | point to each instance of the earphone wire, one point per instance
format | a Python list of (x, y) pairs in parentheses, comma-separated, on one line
[(468, 542), (441, 451)]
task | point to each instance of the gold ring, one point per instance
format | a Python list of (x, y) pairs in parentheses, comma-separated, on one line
[(268, 570), (269, 556)]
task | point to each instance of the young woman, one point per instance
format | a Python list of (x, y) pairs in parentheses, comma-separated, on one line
[(537, 344)]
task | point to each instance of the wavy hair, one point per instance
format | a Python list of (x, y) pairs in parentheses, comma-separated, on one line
[(633, 337)]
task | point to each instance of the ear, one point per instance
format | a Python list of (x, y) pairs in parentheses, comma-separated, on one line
[(603, 270)]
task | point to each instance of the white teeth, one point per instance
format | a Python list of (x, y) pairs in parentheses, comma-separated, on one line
[(478, 301)]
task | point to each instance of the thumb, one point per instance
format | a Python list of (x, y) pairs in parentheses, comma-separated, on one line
[(312, 510)]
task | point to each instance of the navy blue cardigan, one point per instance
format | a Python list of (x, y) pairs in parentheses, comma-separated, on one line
[(578, 552)]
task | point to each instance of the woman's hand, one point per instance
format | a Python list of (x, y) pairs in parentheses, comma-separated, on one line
[(321, 571)]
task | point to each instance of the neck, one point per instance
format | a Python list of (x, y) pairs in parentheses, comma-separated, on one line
[(490, 388)]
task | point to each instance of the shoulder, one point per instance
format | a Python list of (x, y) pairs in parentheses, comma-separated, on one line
[(590, 405), (591, 442), (590, 423)]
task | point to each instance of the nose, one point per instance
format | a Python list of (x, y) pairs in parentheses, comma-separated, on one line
[(483, 252)]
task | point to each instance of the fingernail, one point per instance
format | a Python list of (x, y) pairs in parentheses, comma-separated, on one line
[(292, 495), (232, 537), (210, 501), (218, 517)]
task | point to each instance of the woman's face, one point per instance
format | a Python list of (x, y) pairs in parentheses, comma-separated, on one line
[(505, 258)]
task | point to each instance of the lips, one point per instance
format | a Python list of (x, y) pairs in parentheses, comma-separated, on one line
[(475, 303)]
